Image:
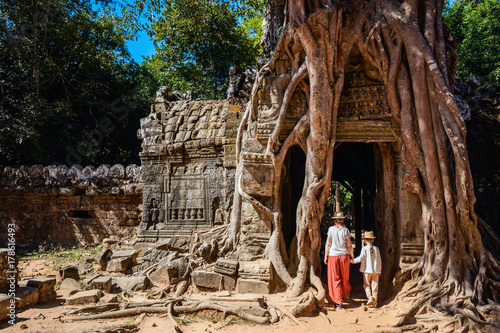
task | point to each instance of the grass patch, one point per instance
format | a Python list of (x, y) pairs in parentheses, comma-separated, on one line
[(61, 255)]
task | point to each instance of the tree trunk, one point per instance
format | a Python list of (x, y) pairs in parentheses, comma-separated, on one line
[(406, 43)]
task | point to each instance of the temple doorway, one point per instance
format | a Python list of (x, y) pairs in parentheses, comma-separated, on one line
[(354, 169), (291, 192)]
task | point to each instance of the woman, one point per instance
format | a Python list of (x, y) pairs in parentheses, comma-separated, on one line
[(338, 253)]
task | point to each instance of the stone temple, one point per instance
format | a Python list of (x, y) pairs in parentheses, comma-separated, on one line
[(184, 188), (189, 164)]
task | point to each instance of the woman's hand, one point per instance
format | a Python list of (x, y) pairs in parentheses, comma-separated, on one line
[(326, 260)]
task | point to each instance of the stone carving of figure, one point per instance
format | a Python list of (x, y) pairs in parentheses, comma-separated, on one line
[(219, 216), (235, 82), (153, 215)]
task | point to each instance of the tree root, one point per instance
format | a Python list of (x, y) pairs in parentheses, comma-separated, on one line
[(96, 308), (287, 313), (126, 328), (118, 314), (226, 309)]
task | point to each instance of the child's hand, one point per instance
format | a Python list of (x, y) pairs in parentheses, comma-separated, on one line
[(352, 261)]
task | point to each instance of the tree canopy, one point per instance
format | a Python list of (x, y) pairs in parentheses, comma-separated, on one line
[(476, 27), (64, 73), (197, 42)]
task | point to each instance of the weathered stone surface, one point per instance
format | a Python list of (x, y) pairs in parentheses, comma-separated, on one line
[(70, 285), (108, 242), (207, 280), (228, 282), (247, 286), (8, 265), (175, 269), (136, 283), (119, 264), (255, 227), (132, 254), (68, 207), (198, 193), (109, 298), (84, 297), (69, 272), (102, 258), (178, 244), (7, 307), (45, 286), (226, 266), (260, 270), (102, 283), (27, 297)]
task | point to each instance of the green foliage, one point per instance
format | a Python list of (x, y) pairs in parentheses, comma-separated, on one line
[(65, 75), (476, 26), (346, 205), (197, 42)]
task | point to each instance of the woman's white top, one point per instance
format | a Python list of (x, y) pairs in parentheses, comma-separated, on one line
[(339, 238), (371, 262)]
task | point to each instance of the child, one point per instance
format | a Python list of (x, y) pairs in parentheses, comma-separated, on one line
[(371, 267)]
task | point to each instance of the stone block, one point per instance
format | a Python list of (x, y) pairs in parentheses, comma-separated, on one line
[(69, 272), (46, 288), (136, 283), (228, 282), (207, 280), (109, 298), (132, 254), (119, 265), (226, 266), (84, 297), (8, 264), (178, 244), (70, 285), (27, 297), (258, 181), (7, 307), (102, 283), (107, 242), (247, 286), (103, 258), (260, 270)]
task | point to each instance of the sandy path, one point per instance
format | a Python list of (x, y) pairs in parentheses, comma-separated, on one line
[(353, 318)]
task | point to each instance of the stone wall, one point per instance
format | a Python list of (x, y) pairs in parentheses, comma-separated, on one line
[(8, 270), (61, 206), (188, 166)]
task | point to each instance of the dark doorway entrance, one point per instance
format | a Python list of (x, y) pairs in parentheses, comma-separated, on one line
[(291, 191), (354, 167)]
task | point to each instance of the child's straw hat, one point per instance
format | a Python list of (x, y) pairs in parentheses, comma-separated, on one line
[(338, 215), (369, 235)]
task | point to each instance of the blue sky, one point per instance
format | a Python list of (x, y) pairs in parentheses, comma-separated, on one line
[(142, 47)]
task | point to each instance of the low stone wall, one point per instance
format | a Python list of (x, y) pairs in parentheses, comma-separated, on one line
[(61, 206), (8, 270)]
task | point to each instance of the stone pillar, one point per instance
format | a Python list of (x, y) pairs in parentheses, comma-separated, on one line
[(410, 224)]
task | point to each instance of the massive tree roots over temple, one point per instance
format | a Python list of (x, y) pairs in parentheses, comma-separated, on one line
[(405, 51)]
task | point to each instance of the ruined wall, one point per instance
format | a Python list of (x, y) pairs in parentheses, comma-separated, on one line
[(188, 166), (61, 206)]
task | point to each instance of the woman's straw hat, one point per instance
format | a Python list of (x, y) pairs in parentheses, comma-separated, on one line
[(369, 235), (338, 215)]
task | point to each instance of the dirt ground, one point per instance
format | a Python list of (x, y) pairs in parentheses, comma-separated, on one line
[(355, 317)]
